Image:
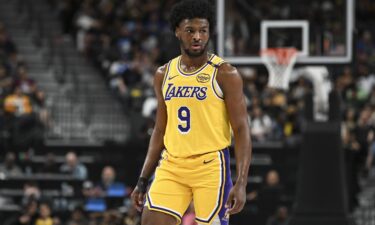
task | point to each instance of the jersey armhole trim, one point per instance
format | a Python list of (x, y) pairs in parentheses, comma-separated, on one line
[(166, 74), (215, 86)]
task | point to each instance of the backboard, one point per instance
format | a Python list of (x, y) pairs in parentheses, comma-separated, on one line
[(321, 30)]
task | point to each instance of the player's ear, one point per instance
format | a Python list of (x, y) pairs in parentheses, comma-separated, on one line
[(178, 37), (177, 33)]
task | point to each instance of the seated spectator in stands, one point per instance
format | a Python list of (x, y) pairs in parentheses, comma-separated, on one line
[(301, 88), (280, 217), (270, 194), (7, 46), (111, 217), (108, 183), (292, 121), (116, 81), (31, 192), (363, 132), (45, 216), (365, 82), (29, 215), (9, 167), (351, 148), (50, 165), (77, 217), (22, 121), (149, 106), (28, 86), (88, 190), (108, 178), (349, 121), (73, 167), (5, 82), (18, 104), (261, 125)]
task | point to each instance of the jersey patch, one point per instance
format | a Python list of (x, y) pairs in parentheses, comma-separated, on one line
[(203, 78)]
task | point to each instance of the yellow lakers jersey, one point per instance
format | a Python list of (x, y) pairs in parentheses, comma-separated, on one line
[(197, 121)]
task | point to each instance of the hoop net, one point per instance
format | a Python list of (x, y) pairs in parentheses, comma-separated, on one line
[(279, 62)]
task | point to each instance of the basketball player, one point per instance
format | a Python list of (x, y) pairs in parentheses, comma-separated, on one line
[(200, 100)]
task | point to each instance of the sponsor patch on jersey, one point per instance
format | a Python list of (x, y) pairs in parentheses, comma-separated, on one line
[(203, 78)]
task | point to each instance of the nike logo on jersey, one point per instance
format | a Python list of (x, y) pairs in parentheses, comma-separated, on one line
[(185, 92), (170, 78), (205, 162)]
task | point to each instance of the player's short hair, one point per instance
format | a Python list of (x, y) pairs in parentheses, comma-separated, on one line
[(189, 9)]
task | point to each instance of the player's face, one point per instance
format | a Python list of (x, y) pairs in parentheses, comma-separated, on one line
[(193, 35)]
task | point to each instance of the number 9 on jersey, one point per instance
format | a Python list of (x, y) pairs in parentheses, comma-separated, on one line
[(184, 119)]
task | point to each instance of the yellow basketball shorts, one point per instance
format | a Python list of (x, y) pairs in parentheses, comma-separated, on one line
[(203, 179)]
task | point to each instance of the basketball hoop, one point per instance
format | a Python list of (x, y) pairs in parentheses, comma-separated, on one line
[(279, 62)]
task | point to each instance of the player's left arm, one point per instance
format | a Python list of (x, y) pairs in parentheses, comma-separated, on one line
[(231, 84)]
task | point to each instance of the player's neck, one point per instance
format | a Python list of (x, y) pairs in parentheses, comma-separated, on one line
[(189, 64)]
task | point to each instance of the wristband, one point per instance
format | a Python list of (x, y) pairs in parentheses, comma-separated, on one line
[(142, 184)]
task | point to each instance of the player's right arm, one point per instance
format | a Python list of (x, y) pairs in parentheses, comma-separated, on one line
[(156, 142)]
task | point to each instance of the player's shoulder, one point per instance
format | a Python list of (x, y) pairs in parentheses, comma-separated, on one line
[(227, 70), (164, 68), (161, 70)]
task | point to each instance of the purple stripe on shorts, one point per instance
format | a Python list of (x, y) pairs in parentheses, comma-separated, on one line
[(228, 185)]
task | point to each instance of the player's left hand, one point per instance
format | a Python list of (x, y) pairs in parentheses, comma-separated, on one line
[(236, 199), (138, 197)]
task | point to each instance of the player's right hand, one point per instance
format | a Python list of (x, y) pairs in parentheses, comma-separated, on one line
[(138, 198)]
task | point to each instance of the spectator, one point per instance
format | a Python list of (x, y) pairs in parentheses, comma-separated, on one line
[(18, 104), (77, 217), (45, 216), (30, 214), (261, 125), (270, 194), (365, 81), (111, 217), (5, 82), (9, 167), (50, 165), (6, 44), (238, 31), (31, 192), (73, 167), (352, 150), (280, 217), (28, 86), (116, 81), (108, 180), (363, 132), (349, 121), (88, 190), (23, 123), (86, 23)]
